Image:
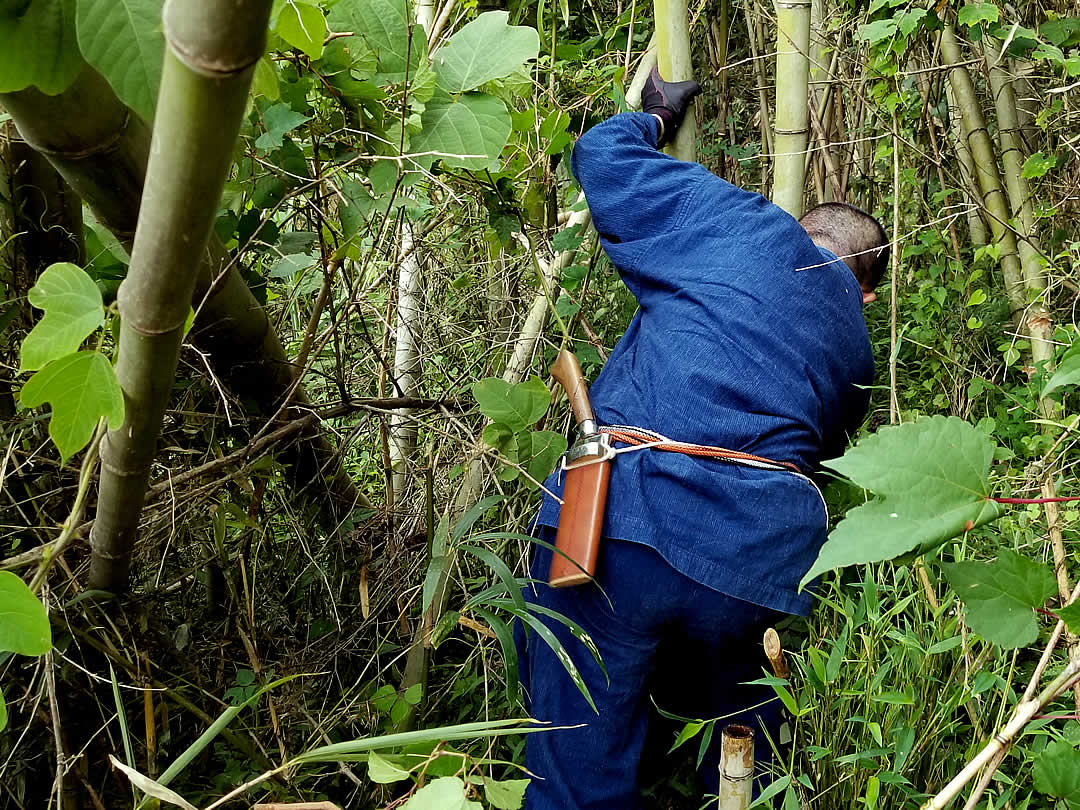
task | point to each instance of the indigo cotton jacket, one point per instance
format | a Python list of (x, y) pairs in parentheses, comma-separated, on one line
[(749, 337)]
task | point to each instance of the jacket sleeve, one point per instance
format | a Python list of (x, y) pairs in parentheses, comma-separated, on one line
[(634, 190)]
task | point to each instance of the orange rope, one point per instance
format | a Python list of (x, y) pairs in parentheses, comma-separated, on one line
[(632, 437)]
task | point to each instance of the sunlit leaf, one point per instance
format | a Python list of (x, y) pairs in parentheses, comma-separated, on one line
[(150, 787), (444, 793), (1070, 614), (73, 309), (485, 49), (38, 47), (1001, 596), (877, 30), (468, 132), (973, 14), (387, 27), (930, 479), (507, 794), (82, 388), (1068, 371), (24, 626), (303, 26), (383, 771), (518, 406), (3, 712), (124, 41), (1038, 164), (1057, 772), (545, 447)]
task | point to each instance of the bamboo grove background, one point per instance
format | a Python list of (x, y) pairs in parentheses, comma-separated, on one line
[(319, 505)]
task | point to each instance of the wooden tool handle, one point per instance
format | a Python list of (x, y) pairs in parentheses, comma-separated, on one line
[(567, 372)]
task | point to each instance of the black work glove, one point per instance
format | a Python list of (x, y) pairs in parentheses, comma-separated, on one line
[(668, 101)]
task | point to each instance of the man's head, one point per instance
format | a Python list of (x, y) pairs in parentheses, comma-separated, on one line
[(854, 236)]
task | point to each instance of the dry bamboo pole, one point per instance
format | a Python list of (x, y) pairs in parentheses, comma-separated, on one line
[(986, 167), (213, 47), (101, 148), (673, 59), (763, 94), (792, 104), (736, 767)]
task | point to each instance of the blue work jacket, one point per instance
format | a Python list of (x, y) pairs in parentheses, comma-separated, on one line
[(749, 337)]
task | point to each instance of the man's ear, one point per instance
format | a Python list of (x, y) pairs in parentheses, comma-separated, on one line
[(867, 297)]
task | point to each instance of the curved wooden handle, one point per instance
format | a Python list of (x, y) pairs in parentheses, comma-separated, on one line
[(567, 372)]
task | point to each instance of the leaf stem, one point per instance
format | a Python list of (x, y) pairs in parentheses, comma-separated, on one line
[(1056, 499)]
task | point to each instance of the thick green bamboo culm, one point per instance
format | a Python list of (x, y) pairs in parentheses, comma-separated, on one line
[(213, 47), (101, 148), (673, 60), (986, 169), (792, 121)]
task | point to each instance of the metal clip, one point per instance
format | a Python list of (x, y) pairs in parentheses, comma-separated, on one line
[(596, 448)]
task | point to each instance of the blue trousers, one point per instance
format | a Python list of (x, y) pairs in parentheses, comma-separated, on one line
[(658, 632)]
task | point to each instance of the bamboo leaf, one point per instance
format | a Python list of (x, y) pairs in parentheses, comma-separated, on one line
[(73, 309), (123, 40), (24, 626), (38, 47), (930, 478), (1001, 596), (150, 787), (468, 132), (82, 388), (303, 26), (518, 406), (485, 49)]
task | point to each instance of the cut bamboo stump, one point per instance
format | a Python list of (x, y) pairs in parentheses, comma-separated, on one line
[(736, 767), (775, 653)]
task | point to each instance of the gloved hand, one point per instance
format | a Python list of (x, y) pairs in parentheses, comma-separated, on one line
[(668, 101)]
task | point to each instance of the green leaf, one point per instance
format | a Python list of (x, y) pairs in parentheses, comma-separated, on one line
[(1068, 371), (38, 47), (474, 124), (1001, 596), (82, 388), (930, 478), (445, 793), (485, 49), (1038, 164), (910, 19), (977, 297), (544, 449), (518, 406), (979, 12), (73, 309), (123, 40), (384, 24), (24, 626), (1063, 32), (3, 712), (1070, 614), (1057, 772), (1048, 53), (877, 30), (303, 26), (383, 771), (507, 794), (278, 120)]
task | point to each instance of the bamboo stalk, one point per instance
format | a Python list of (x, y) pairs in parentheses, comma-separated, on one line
[(212, 51), (792, 104), (736, 767), (673, 59)]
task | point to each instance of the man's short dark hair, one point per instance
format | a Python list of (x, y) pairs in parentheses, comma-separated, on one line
[(853, 235)]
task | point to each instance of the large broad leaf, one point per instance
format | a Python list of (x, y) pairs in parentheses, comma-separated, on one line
[(278, 120), (508, 794), (485, 49), (73, 309), (1057, 772), (1001, 596), (1068, 371), (82, 388), (303, 26), (385, 25), (474, 124), (38, 47), (518, 406), (24, 627), (544, 449), (930, 478), (445, 793), (123, 39)]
